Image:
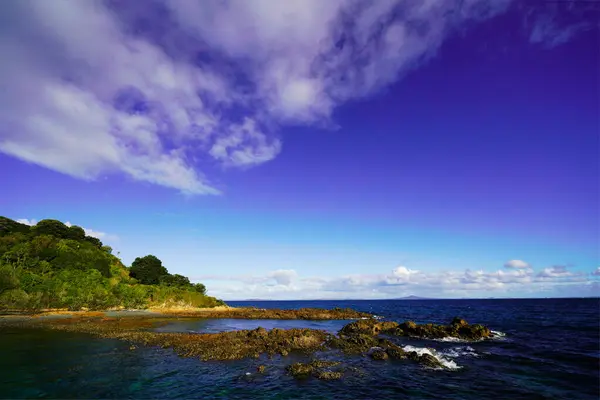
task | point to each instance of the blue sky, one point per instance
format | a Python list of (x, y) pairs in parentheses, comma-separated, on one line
[(309, 149)]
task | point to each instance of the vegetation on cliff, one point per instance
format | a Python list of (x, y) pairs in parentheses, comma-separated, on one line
[(52, 265)]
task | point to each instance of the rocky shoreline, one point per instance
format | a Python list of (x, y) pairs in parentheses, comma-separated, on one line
[(368, 336)]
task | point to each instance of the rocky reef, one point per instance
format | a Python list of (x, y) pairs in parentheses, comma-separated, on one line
[(369, 337)]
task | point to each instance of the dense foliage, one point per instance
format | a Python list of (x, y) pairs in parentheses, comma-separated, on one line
[(52, 265)]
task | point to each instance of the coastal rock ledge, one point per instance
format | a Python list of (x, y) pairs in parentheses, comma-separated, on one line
[(458, 328), (368, 337)]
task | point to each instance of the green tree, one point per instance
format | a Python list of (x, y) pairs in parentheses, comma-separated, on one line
[(51, 227), (95, 241), (76, 233), (8, 226), (8, 279), (174, 280), (199, 287), (147, 270)]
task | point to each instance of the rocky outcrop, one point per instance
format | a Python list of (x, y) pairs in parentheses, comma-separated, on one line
[(369, 326), (458, 328)]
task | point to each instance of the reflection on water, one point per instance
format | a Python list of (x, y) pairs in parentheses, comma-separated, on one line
[(226, 325)]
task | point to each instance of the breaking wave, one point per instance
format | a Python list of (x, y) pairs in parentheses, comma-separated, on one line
[(445, 360)]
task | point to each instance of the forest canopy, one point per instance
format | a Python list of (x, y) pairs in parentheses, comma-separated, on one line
[(52, 265)]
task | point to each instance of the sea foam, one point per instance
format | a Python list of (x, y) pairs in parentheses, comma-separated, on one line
[(443, 359)]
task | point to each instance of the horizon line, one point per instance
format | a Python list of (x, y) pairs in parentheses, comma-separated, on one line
[(431, 298)]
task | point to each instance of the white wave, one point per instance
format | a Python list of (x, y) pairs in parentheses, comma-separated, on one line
[(445, 361), (460, 351), (497, 335), (451, 339), (374, 317)]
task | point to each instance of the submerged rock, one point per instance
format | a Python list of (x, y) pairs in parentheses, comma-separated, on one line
[(300, 370), (328, 375), (316, 368)]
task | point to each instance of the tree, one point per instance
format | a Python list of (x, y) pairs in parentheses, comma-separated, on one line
[(8, 279), (199, 287), (51, 227), (174, 280), (147, 270), (95, 241), (76, 233), (8, 226)]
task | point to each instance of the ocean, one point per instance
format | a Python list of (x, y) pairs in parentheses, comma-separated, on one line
[(544, 349)]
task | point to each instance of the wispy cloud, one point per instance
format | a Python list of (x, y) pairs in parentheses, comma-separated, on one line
[(165, 91), (516, 264)]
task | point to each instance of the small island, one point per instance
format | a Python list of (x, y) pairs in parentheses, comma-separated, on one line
[(52, 269)]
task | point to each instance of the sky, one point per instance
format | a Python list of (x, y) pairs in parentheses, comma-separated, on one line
[(311, 149)]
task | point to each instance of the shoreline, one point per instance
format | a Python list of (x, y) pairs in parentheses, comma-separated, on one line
[(219, 312)]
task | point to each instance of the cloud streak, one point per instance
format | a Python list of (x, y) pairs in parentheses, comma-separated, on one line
[(165, 91)]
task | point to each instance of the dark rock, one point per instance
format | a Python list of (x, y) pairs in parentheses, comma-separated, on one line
[(353, 344), (430, 361), (459, 321), (396, 353), (369, 326), (413, 355), (379, 354), (408, 325)]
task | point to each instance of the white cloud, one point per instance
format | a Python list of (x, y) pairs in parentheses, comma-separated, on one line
[(400, 275), (516, 264), (401, 281), (30, 222), (596, 272), (89, 232), (556, 271), (283, 277), (161, 91)]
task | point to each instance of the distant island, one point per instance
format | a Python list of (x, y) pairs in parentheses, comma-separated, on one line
[(414, 298), (54, 266)]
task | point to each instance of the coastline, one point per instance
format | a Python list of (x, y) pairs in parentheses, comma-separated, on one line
[(191, 312)]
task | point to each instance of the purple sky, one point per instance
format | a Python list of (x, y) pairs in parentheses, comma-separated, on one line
[(314, 149)]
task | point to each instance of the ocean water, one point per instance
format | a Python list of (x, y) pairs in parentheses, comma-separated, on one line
[(544, 349)]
